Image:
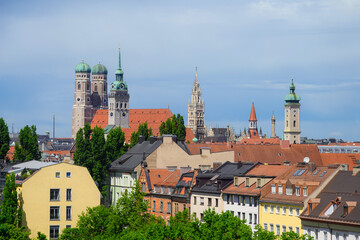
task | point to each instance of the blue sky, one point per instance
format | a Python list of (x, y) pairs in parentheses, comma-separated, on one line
[(244, 51)]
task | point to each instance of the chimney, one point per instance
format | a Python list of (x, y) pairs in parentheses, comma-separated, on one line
[(152, 139), (356, 170), (216, 165), (184, 170), (141, 139), (311, 167), (239, 164)]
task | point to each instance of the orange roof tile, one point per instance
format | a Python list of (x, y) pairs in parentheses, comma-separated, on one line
[(268, 170), (350, 159), (158, 175), (10, 153), (345, 144), (260, 141), (252, 113)]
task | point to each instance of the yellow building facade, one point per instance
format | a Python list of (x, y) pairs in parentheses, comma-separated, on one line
[(53, 197), (280, 218)]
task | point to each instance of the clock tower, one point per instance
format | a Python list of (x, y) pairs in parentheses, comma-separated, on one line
[(119, 100), (292, 116)]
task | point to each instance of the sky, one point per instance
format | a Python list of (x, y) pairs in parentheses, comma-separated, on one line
[(244, 51)]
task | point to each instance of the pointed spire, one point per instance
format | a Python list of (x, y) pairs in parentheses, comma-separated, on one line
[(253, 114), (273, 116), (119, 72), (119, 67), (196, 75)]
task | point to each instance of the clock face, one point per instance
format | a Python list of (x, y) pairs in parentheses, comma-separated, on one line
[(78, 99), (111, 114), (294, 111), (124, 114), (122, 86), (287, 110), (88, 99)]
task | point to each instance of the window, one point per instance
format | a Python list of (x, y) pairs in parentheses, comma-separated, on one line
[(250, 218), (228, 198), (277, 230), (201, 216), (290, 229), (271, 227), (169, 207), (68, 226), (55, 194), (255, 202), (216, 202), (280, 189), (265, 208), (79, 86), (283, 228), (54, 213), (243, 200), (273, 189), (305, 191), (247, 182), (265, 226), (255, 219), (232, 199), (294, 123), (239, 199), (243, 217), (277, 209), (297, 212), (176, 207), (271, 208), (54, 232), (184, 207), (201, 201), (290, 211), (161, 206), (57, 174), (250, 201), (297, 191), (68, 213), (236, 182), (297, 230), (88, 86), (194, 200), (143, 187), (239, 215), (68, 194), (284, 210), (209, 202), (289, 190), (154, 206), (95, 88)]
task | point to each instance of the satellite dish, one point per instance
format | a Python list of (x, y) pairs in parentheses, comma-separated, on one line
[(306, 159)]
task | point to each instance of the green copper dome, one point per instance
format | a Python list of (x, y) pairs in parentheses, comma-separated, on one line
[(99, 69), (292, 97), (195, 140), (83, 68), (118, 86)]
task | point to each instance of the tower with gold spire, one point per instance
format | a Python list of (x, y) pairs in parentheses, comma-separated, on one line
[(118, 101), (196, 111), (292, 116)]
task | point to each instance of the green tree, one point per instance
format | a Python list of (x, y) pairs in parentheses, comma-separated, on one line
[(83, 152), (115, 144), (10, 232), (29, 148), (4, 139), (99, 160), (40, 236), (175, 126), (143, 130), (11, 212), (261, 234), (294, 236)]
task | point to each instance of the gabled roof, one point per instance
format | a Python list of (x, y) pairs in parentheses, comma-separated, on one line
[(341, 187), (350, 159), (153, 117)]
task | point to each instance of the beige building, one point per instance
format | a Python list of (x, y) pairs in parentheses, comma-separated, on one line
[(54, 196)]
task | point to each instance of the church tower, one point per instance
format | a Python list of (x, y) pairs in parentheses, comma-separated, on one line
[(82, 108), (99, 95), (292, 116), (253, 131), (196, 111), (273, 133), (119, 100)]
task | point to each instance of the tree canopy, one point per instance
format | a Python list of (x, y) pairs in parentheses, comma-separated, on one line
[(143, 130), (4, 139), (29, 148), (115, 144), (175, 126)]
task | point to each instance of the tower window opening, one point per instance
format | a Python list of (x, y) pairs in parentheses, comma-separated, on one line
[(79, 86), (287, 123), (117, 105), (120, 105), (125, 105), (294, 123), (88, 86), (104, 87), (95, 88)]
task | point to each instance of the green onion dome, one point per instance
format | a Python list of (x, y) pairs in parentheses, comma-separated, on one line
[(292, 96), (195, 140), (83, 68), (99, 69)]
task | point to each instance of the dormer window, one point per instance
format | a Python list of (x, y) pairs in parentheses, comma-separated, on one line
[(289, 191), (273, 189), (346, 211), (310, 207), (236, 181), (305, 191), (247, 182), (259, 183), (297, 191), (280, 189)]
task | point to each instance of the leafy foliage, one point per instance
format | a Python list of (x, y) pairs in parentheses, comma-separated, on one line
[(11, 212), (29, 148), (174, 126), (115, 144), (4, 139), (143, 130), (10, 232)]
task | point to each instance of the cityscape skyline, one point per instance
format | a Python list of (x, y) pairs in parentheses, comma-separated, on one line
[(246, 51)]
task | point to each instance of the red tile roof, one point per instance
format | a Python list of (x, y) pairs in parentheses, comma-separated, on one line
[(158, 175), (10, 153), (260, 141), (345, 144), (271, 154), (351, 159), (252, 113), (153, 117)]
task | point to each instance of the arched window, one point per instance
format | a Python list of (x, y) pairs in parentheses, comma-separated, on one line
[(294, 123), (287, 123), (79, 86), (104, 87), (95, 88), (87, 86), (117, 105), (125, 105), (120, 105)]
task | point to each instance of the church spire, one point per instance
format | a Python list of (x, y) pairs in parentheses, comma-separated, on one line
[(119, 72)]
